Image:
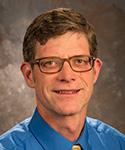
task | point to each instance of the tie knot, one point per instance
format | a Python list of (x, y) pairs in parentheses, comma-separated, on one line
[(76, 147)]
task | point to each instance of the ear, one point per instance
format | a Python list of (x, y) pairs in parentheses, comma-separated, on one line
[(97, 67), (28, 74)]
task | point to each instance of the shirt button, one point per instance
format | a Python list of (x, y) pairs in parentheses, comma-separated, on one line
[(76, 147)]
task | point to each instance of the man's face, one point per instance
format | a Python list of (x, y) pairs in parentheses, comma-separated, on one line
[(65, 92)]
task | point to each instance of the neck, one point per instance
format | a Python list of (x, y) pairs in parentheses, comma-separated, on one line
[(68, 126)]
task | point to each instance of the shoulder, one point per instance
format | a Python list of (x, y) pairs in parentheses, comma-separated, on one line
[(105, 131), (99, 126), (15, 136)]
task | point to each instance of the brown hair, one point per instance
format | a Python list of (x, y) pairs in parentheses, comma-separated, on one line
[(55, 23)]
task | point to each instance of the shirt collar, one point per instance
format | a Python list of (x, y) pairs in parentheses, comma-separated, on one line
[(84, 138), (48, 138)]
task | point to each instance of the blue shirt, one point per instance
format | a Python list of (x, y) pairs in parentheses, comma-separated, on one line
[(35, 134)]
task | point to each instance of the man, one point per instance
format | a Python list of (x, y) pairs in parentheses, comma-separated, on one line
[(61, 64)]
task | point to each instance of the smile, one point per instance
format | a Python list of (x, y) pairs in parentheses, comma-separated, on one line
[(67, 91)]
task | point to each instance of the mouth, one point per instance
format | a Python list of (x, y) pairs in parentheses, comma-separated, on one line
[(67, 91)]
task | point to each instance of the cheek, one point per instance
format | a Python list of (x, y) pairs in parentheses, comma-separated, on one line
[(43, 83), (41, 89), (87, 78)]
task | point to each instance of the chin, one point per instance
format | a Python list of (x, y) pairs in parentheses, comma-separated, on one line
[(70, 112)]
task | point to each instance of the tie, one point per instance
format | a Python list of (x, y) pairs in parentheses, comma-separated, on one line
[(76, 147)]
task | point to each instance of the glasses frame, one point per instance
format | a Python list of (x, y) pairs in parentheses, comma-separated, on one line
[(37, 61)]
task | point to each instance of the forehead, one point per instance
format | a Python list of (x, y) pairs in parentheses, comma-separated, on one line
[(65, 45)]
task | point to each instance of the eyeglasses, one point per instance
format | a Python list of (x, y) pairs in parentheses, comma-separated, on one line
[(78, 63)]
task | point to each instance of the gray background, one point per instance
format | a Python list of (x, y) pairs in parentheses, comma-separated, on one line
[(17, 101)]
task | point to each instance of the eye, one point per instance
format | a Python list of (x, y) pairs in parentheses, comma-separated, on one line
[(79, 61), (49, 63)]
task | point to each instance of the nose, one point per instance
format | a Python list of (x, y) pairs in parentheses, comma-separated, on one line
[(66, 74)]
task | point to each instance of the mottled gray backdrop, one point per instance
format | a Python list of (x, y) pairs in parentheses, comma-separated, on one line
[(17, 101)]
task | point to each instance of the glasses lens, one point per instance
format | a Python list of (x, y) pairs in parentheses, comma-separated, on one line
[(81, 63), (50, 65)]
